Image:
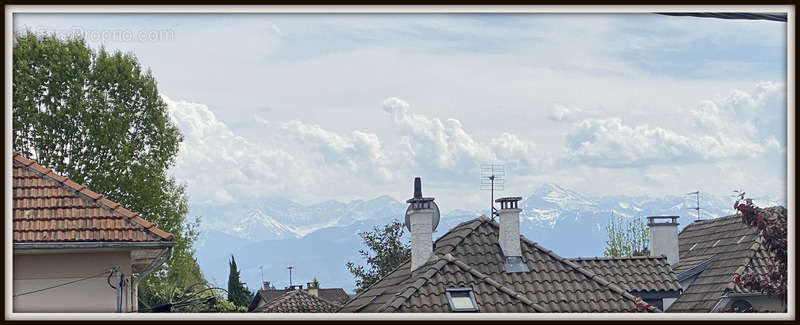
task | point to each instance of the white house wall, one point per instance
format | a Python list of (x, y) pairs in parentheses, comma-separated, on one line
[(36, 271)]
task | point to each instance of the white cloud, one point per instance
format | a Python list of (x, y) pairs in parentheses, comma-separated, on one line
[(446, 146), (219, 166), (729, 127), (361, 152)]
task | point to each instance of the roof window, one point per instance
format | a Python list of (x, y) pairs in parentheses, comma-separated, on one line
[(461, 299)]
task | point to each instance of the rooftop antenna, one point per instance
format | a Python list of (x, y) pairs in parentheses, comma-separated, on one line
[(261, 268), (697, 207), (290, 267), (493, 178)]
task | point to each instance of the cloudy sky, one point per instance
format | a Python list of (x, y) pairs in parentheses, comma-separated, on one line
[(314, 107)]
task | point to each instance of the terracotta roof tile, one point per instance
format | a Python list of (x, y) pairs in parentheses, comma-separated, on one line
[(48, 207)]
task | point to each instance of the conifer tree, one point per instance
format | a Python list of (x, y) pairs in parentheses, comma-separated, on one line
[(238, 294)]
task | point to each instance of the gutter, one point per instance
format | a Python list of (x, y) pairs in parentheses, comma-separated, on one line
[(136, 278), (82, 245)]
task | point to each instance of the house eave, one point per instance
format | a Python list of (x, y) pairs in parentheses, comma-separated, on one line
[(27, 248)]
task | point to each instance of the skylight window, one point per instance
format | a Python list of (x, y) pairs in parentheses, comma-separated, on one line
[(461, 299)]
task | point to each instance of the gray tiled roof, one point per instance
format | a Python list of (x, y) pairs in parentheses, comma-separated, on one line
[(469, 256), (738, 248), (336, 296), (298, 301), (634, 274)]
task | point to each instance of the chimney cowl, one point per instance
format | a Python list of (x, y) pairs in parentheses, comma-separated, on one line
[(508, 202)]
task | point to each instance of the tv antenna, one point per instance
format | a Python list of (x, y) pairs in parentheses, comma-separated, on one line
[(261, 268), (493, 178), (290, 267), (697, 207)]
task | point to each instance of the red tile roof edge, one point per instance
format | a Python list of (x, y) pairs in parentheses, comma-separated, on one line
[(98, 198)]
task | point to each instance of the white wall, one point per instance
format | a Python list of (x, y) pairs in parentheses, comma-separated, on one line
[(36, 271), (664, 241)]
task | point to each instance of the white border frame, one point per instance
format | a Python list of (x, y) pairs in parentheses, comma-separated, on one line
[(10, 10)]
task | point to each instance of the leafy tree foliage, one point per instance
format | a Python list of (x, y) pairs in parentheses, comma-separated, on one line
[(627, 238), (388, 251), (238, 294), (772, 226), (97, 118), (196, 299)]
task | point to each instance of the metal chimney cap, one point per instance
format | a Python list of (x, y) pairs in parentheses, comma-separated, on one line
[(416, 201), (509, 199)]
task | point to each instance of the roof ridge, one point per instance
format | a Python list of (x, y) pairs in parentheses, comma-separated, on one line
[(279, 300), (606, 258), (752, 251), (479, 221), (489, 280), (435, 265), (358, 295), (402, 295), (99, 199), (594, 277)]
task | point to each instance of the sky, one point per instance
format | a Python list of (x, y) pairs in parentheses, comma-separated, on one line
[(317, 107)]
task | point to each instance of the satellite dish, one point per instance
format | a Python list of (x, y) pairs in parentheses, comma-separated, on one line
[(435, 221)]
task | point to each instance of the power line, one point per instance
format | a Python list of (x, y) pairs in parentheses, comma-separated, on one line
[(731, 15), (66, 283)]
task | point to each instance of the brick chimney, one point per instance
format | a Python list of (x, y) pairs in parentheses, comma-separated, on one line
[(664, 237), (509, 226), (420, 221)]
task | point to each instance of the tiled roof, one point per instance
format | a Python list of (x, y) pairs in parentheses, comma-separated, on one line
[(48, 207), (730, 245), (298, 301), (469, 255), (634, 274), (336, 296)]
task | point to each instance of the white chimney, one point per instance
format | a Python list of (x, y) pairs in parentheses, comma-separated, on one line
[(509, 226), (313, 288), (422, 217), (664, 237)]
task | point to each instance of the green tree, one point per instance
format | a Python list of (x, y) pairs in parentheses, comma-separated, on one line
[(627, 237), (238, 294), (98, 118), (386, 252)]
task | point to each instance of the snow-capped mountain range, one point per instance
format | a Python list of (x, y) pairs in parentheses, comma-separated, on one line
[(319, 239)]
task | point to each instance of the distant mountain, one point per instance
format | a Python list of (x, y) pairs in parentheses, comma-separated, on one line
[(319, 239)]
